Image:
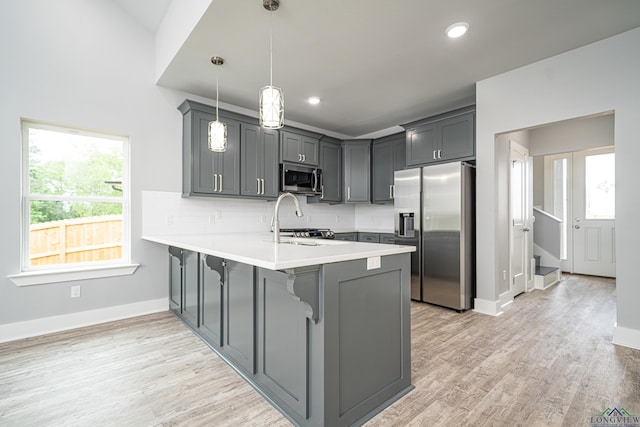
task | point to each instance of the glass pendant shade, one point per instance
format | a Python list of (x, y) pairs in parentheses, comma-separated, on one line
[(271, 105), (217, 136)]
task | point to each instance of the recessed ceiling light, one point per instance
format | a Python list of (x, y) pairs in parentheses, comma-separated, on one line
[(457, 30), (313, 100)]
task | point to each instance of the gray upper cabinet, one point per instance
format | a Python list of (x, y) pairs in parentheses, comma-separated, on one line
[(259, 161), (388, 155), (299, 147), (331, 165), (442, 138), (206, 172), (357, 171)]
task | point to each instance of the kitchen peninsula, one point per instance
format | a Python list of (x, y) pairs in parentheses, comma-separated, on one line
[(320, 328)]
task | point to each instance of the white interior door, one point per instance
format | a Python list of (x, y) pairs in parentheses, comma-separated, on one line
[(558, 201), (519, 225), (593, 219)]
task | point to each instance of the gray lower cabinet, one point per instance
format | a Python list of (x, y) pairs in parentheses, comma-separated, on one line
[(442, 138), (239, 315), (283, 338), (184, 284), (212, 277), (304, 337), (331, 165), (387, 238), (259, 161), (388, 155), (357, 171), (352, 237), (369, 237)]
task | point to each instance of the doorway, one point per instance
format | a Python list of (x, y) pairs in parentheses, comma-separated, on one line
[(579, 188)]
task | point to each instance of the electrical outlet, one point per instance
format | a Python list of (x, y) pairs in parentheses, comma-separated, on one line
[(75, 291), (504, 275)]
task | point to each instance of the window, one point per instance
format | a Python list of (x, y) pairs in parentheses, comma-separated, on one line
[(600, 186), (75, 198)]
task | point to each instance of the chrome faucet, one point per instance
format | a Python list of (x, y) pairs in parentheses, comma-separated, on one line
[(276, 212)]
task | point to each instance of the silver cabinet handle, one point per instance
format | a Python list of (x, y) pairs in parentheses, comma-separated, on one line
[(434, 155), (215, 182), (299, 157), (391, 191), (220, 189), (262, 182), (322, 192), (439, 154), (258, 185), (304, 158), (349, 193)]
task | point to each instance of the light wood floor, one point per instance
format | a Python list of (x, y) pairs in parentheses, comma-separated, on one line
[(548, 361)]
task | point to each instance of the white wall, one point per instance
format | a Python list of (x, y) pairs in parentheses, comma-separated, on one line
[(572, 135), (85, 64), (593, 79)]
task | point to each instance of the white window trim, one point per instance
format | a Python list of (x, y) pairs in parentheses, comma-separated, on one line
[(39, 275), (31, 278)]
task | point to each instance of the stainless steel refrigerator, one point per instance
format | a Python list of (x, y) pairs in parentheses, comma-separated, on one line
[(434, 210)]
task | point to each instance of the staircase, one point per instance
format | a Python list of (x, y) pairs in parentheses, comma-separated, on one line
[(545, 276), (546, 247)]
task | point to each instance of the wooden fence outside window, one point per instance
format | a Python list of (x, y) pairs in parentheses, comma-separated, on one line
[(76, 240)]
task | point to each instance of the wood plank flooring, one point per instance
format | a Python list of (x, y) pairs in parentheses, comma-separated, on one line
[(548, 361)]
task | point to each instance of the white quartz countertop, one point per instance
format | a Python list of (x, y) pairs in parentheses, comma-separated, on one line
[(260, 250)]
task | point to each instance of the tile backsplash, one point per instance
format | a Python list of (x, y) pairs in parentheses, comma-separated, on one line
[(168, 213)]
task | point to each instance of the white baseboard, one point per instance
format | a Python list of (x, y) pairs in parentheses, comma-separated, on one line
[(483, 306), (626, 337), (47, 325)]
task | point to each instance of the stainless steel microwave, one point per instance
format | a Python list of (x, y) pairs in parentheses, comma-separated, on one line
[(300, 179)]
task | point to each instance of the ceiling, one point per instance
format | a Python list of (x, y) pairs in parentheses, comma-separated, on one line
[(374, 64)]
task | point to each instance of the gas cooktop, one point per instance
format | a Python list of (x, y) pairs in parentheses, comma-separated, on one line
[(316, 233)]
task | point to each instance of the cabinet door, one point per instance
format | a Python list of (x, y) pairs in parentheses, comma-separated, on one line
[(211, 286), (369, 237), (239, 297), (290, 147), (399, 155), (251, 163), (283, 345), (227, 165), (331, 165), (309, 150), (382, 172), (190, 287), (352, 237), (422, 144), (270, 164), (204, 181), (175, 279), (457, 137), (357, 163)]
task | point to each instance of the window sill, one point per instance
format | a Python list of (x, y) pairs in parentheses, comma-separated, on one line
[(70, 274)]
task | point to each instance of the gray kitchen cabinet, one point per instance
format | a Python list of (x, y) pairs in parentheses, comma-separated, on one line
[(283, 338), (351, 237), (387, 238), (357, 170), (212, 276), (183, 285), (443, 138), (299, 147), (369, 237), (388, 155), (205, 172), (259, 161), (239, 315), (331, 165)]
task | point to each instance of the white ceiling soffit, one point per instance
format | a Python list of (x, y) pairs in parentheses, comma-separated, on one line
[(376, 65)]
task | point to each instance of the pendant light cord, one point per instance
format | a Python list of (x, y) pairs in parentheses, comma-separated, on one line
[(217, 95), (271, 48)]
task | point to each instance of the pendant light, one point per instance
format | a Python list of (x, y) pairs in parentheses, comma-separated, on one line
[(217, 129), (271, 98)]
